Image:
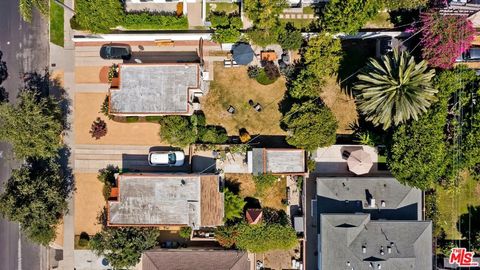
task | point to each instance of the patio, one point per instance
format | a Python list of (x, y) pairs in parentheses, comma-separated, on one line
[(330, 161)]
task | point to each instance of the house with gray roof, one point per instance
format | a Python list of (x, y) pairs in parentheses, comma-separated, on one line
[(276, 161), (354, 241), (381, 197), (194, 259), (151, 199), (155, 89)]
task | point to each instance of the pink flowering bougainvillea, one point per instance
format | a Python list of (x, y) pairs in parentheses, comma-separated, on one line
[(444, 38)]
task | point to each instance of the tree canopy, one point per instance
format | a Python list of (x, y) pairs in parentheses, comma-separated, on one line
[(347, 16), (233, 206), (177, 130), (310, 126), (323, 55), (26, 8), (35, 196), (395, 89), (123, 246), (32, 126), (265, 237), (444, 38), (427, 151), (264, 13)]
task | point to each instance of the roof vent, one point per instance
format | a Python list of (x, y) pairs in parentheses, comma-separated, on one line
[(383, 203), (182, 182), (379, 266), (371, 265), (372, 202), (364, 249), (389, 250), (382, 252), (348, 263)]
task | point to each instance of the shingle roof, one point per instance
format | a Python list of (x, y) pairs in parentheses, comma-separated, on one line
[(404, 244), (353, 194), (182, 259)]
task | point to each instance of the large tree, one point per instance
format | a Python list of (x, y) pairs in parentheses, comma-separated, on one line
[(98, 16), (264, 13), (323, 55), (444, 38), (123, 246), (177, 130), (265, 237), (233, 206), (32, 126), (395, 89), (310, 126), (35, 196), (347, 16), (26, 8), (444, 141)]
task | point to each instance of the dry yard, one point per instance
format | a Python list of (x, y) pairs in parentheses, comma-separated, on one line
[(87, 109), (89, 202), (233, 87)]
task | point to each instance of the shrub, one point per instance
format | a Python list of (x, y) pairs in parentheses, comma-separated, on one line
[(83, 239), (213, 134), (263, 38), (226, 35), (198, 120), (263, 79), (233, 206), (265, 237), (444, 38), (98, 129), (153, 118), (271, 70), (227, 27), (154, 21), (106, 107), (107, 177), (131, 119), (112, 72), (226, 236), (244, 135), (177, 130), (179, 11), (263, 182), (290, 38), (253, 71), (185, 232)]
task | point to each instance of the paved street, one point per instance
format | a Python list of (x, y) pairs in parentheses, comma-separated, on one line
[(25, 48)]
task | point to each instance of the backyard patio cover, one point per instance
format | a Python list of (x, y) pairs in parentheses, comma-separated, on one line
[(242, 53)]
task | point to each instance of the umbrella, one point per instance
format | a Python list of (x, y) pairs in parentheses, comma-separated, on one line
[(242, 53), (359, 162)]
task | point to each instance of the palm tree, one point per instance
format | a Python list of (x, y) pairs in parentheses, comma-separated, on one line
[(395, 89), (26, 8)]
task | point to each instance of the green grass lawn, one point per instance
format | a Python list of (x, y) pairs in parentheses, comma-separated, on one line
[(56, 23), (453, 203), (308, 10), (381, 20), (223, 7)]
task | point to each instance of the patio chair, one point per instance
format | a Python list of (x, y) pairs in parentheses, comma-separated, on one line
[(231, 109), (258, 107), (345, 154), (251, 103)]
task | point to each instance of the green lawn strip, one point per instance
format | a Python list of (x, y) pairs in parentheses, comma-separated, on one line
[(223, 7), (56, 23), (452, 204)]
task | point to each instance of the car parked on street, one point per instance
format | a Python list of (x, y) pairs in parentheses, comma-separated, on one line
[(116, 51), (166, 158)]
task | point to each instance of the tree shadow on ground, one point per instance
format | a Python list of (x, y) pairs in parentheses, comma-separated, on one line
[(469, 223), (233, 185)]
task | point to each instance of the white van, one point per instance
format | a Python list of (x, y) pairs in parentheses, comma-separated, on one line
[(166, 158)]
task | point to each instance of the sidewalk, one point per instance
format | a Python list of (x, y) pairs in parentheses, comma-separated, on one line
[(63, 58)]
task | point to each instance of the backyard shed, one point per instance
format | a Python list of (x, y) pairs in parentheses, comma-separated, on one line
[(277, 161)]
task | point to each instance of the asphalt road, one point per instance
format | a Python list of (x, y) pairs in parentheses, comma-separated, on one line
[(25, 49)]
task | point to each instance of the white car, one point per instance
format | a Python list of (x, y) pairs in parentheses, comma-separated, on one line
[(166, 158)]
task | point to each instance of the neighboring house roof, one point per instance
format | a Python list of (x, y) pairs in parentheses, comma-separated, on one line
[(182, 259), (278, 161), (353, 241), (253, 216), (167, 199), (152, 89), (391, 199)]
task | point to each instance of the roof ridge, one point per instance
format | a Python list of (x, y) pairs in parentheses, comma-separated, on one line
[(151, 261), (237, 252)]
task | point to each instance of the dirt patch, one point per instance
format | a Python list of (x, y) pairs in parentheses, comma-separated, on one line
[(94, 74), (232, 87), (89, 202), (87, 109), (342, 106), (279, 259), (245, 185)]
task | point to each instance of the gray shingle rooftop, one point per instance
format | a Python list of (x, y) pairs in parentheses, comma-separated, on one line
[(353, 194), (405, 244), (278, 161), (154, 89), (157, 200)]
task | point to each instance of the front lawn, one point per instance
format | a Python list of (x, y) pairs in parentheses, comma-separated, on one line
[(233, 87), (453, 204), (223, 7), (56, 23)]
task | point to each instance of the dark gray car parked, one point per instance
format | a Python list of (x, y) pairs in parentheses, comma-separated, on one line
[(116, 51)]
